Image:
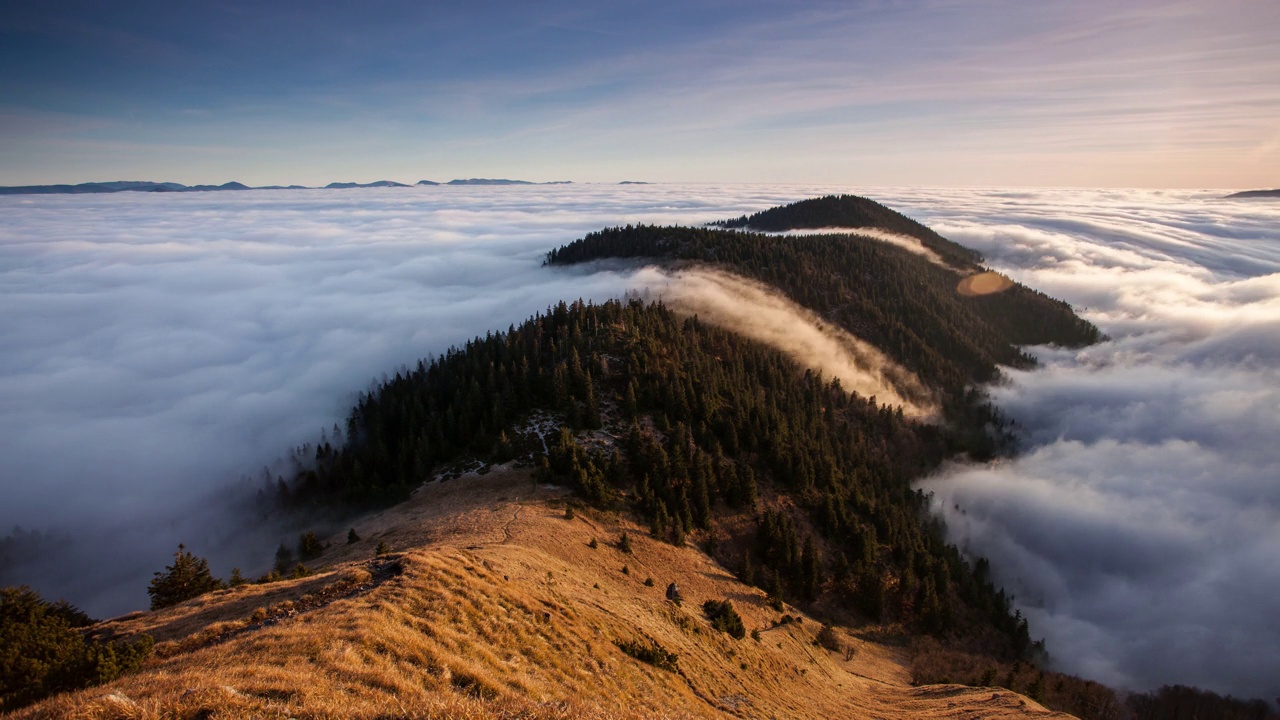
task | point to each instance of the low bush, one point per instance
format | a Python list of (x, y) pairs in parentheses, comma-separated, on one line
[(651, 653), (724, 618)]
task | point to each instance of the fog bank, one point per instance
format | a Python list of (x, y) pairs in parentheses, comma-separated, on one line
[(1140, 530)]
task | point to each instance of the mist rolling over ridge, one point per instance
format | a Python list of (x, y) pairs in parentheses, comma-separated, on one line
[(160, 347), (752, 309)]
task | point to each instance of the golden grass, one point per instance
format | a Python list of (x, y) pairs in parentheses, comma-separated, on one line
[(502, 611)]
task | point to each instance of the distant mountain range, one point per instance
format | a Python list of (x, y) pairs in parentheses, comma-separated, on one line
[(1255, 194), (148, 186), (501, 181)]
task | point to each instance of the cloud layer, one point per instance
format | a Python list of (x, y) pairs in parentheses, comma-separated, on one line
[(155, 348), (1140, 529)]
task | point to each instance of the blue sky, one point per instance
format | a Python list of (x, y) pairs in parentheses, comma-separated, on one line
[(1167, 94)]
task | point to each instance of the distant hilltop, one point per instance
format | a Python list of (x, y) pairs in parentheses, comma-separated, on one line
[(117, 186), (149, 186), (1255, 194), (346, 185)]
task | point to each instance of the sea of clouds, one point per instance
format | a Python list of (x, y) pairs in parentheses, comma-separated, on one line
[(1140, 529), (156, 348)]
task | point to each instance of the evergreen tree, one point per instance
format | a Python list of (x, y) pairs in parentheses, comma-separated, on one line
[(284, 559), (811, 570), (43, 649), (748, 573), (309, 546), (186, 578)]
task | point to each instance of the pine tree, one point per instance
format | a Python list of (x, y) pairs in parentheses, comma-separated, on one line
[(309, 547), (810, 570), (186, 578), (591, 415), (748, 573), (658, 524), (284, 559)]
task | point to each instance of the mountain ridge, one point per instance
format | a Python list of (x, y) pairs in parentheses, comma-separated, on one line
[(115, 186), (1254, 194), (462, 468)]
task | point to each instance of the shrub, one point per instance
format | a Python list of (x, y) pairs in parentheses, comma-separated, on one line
[(593, 544), (724, 618), (569, 514), (186, 578), (352, 536), (383, 548), (624, 544), (828, 639), (42, 650), (651, 653)]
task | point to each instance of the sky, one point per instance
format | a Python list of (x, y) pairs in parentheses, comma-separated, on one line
[(1086, 93)]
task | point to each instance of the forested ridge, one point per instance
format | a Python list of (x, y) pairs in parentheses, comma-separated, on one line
[(706, 424), (894, 299), (700, 424), (852, 211)]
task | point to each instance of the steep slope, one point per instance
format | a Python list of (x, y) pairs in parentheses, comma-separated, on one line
[(494, 604)]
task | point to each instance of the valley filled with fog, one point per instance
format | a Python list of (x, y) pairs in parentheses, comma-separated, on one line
[(160, 350)]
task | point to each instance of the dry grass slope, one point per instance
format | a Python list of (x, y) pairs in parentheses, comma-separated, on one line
[(495, 606)]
